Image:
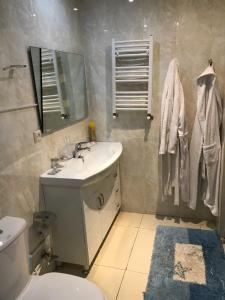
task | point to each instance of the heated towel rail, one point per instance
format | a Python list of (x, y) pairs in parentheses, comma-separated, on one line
[(132, 76), (51, 90)]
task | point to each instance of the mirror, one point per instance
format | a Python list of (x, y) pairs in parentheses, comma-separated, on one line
[(60, 87)]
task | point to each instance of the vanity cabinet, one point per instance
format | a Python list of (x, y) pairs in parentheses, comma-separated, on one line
[(84, 214)]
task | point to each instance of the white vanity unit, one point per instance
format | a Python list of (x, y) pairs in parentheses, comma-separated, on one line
[(85, 196)]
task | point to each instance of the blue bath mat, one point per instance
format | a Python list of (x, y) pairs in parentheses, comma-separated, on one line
[(187, 264)]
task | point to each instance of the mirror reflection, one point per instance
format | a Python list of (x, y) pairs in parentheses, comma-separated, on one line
[(60, 87)]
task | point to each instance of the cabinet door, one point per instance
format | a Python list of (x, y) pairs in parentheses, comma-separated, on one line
[(117, 191), (101, 201), (92, 208), (109, 210), (68, 239)]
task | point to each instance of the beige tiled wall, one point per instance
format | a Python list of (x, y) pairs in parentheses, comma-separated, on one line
[(191, 30), (46, 23)]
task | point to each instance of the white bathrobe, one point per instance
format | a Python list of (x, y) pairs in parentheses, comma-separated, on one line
[(205, 148), (173, 138)]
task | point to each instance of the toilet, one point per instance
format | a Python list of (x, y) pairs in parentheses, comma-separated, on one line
[(17, 283)]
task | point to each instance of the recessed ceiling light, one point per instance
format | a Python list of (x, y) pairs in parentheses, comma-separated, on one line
[(145, 25), (75, 8), (131, 0)]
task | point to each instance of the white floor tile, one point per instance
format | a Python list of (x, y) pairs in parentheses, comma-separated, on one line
[(151, 221), (208, 225), (133, 286), (117, 247), (140, 258), (148, 222), (107, 279), (128, 219), (187, 223)]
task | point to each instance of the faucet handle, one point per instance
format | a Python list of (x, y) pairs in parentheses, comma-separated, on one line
[(54, 161), (82, 143)]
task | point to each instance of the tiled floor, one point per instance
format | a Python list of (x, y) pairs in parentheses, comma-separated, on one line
[(122, 266)]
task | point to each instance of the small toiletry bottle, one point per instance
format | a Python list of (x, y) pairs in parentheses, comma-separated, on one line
[(92, 131)]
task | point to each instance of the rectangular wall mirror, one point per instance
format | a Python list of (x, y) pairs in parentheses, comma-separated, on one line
[(60, 87)]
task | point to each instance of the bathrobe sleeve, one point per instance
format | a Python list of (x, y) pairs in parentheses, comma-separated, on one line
[(177, 113), (166, 104), (172, 111)]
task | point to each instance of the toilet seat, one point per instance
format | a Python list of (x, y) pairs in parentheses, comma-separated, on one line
[(58, 286)]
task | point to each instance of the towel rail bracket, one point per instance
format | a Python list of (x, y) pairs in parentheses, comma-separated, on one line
[(150, 117)]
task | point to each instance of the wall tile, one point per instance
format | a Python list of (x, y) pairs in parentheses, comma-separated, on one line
[(191, 30), (54, 25)]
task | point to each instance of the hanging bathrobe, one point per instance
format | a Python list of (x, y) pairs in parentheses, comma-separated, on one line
[(173, 138), (205, 148)]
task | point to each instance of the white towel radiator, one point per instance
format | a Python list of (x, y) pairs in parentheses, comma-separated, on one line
[(52, 99), (132, 76)]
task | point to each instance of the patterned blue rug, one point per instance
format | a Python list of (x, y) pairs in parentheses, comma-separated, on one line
[(187, 264)]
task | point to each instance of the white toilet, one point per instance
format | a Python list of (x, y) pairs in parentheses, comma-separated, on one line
[(17, 283)]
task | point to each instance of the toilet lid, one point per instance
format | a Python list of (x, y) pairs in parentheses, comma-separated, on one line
[(57, 286)]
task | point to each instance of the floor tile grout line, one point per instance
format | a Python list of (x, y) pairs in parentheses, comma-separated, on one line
[(132, 248), (141, 221), (131, 226), (120, 285), (127, 264), (137, 272), (119, 225), (110, 267)]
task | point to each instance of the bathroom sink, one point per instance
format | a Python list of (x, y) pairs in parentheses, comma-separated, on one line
[(77, 171)]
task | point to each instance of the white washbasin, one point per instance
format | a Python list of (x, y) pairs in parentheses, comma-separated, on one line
[(100, 157)]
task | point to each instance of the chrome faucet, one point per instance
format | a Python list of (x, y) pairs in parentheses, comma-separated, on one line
[(78, 147)]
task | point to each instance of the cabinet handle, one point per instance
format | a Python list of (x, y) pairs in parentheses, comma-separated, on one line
[(102, 199), (99, 202), (117, 190)]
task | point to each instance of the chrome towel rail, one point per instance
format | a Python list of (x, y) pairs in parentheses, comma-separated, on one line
[(11, 67), (22, 107)]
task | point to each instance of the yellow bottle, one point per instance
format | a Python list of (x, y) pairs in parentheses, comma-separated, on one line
[(92, 131)]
